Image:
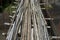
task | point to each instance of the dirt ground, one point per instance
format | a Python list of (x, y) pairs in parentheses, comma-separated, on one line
[(55, 13), (4, 17)]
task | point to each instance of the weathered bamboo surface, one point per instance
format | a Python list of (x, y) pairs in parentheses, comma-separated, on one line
[(29, 22)]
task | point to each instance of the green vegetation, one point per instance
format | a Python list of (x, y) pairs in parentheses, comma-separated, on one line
[(5, 4), (48, 6), (7, 7)]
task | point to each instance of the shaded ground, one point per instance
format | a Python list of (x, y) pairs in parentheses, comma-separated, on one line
[(5, 11), (55, 13), (4, 17)]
